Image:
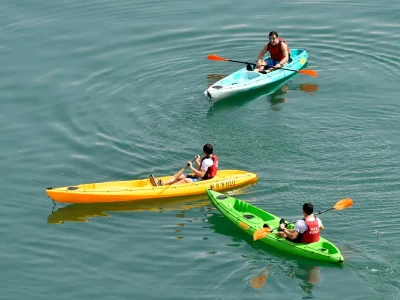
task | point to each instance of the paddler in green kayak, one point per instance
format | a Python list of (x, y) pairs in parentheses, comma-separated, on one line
[(306, 230), (207, 168), (279, 52)]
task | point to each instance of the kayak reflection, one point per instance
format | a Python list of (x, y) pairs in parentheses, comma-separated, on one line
[(82, 212), (278, 94), (308, 274)]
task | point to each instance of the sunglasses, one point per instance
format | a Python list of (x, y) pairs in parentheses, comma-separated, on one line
[(272, 38)]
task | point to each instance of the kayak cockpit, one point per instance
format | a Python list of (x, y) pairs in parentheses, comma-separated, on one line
[(239, 77), (324, 247), (252, 213)]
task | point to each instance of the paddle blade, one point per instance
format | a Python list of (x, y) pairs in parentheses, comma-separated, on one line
[(261, 233), (344, 203), (216, 57), (308, 72)]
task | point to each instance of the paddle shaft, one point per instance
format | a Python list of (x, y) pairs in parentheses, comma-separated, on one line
[(304, 72), (247, 63), (318, 213), (184, 168)]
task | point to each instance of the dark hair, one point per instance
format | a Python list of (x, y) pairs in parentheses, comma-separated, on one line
[(308, 208), (208, 149), (273, 33)]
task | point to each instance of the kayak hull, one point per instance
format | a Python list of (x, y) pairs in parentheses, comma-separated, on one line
[(250, 218), (244, 80), (142, 189)]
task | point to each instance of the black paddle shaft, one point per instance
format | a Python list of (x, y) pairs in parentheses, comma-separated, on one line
[(187, 165), (247, 63), (242, 62), (318, 213)]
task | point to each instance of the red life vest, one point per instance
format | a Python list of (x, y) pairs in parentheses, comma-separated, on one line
[(276, 51), (312, 233), (212, 170)]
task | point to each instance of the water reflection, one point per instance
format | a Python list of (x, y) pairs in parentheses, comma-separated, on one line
[(221, 225), (307, 273), (278, 95), (259, 280), (213, 78), (81, 212)]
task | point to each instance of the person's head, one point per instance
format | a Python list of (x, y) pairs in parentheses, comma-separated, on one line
[(208, 149), (308, 208), (273, 37)]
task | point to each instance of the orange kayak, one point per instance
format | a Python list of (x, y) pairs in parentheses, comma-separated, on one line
[(142, 189)]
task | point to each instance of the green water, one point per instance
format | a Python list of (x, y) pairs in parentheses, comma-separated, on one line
[(113, 90)]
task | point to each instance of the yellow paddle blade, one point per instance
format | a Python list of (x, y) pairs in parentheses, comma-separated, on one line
[(342, 204), (216, 57), (308, 72), (261, 233)]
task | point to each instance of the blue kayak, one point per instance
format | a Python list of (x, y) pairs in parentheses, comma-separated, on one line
[(244, 80)]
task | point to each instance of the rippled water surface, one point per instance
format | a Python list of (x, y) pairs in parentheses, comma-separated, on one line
[(113, 90)]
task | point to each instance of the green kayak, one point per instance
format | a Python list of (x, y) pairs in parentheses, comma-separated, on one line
[(250, 218)]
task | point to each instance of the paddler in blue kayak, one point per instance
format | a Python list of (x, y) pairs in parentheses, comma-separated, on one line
[(207, 168), (279, 52), (306, 230)]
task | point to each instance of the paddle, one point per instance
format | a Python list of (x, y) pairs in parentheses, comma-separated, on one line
[(341, 204), (304, 72), (184, 168)]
